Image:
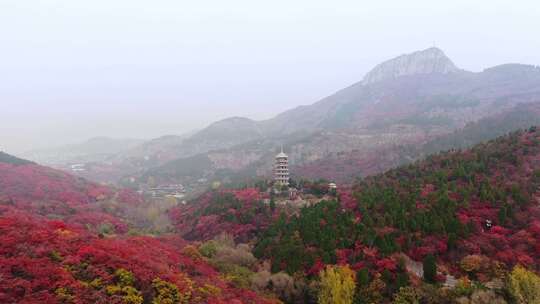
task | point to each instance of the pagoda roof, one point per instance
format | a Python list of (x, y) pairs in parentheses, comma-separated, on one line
[(281, 154)]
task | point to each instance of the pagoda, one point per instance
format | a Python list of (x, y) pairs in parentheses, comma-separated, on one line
[(281, 169)]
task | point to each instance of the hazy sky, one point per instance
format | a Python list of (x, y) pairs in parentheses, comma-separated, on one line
[(73, 69)]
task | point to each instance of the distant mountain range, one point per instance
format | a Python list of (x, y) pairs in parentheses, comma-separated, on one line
[(410, 100)]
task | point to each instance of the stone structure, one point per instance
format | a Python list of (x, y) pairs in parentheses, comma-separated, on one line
[(281, 169)]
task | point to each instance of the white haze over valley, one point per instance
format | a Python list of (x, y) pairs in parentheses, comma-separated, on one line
[(71, 70)]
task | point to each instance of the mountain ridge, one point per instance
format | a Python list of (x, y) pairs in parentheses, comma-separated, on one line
[(419, 102), (406, 110)]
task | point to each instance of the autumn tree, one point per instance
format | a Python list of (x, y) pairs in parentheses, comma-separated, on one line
[(124, 288), (337, 285), (167, 293), (524, 286), (289, 289), (372, 292), (472, 264)]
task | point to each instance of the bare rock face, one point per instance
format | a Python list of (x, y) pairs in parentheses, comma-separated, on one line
[(428, 61)]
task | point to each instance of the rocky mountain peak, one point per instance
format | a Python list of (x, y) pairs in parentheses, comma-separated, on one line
[(431, 60)]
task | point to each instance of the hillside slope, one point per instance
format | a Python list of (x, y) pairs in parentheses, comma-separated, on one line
[(65, 240), (473, 215), (345, 167), (438, 206), (49, 262)]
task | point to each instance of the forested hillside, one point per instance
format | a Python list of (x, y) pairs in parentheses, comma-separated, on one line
[(239, 212), (66, 240), (476, 213), (457, 227)]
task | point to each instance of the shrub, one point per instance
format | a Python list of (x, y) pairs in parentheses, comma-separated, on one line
[(209, 290), (471, 263), (463, 287), (208, 249), (407, 295), (124, 277), (239, 255), (225, 240), (192, 252), (238, 275), (124, 287), (281, 284), (482, 297), (64, 295), (372, 293), (260, 280), (166, 293)]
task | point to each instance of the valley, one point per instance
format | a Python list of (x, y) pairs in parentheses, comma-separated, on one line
[(454, 227), (418, 184)]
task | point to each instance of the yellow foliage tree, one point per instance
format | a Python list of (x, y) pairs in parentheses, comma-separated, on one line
[(167, 293), (524, 286), (337, 285), (64, 295), (207, 291)]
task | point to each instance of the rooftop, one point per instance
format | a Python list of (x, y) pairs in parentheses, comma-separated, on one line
[(281, 154)]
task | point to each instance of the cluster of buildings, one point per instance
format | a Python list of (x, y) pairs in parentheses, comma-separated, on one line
[(172, 190), (78, 167), (281, 182)]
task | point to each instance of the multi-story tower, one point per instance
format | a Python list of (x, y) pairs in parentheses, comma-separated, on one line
[(281, 170)]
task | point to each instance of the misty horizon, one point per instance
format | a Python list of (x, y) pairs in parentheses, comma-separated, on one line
[(177, 67)]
